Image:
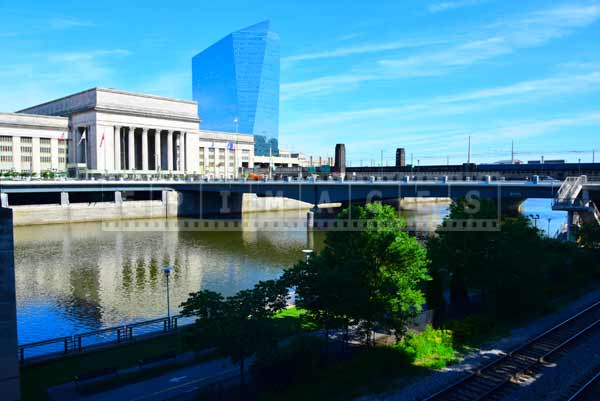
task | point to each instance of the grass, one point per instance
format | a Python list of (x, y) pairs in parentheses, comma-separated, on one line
[(431, 348)]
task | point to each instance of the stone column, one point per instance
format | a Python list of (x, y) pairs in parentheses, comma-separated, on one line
[(178, 151), (118, 198), (170, 150), (145, 149), (17, 153), (157, 156), (183, 152), (9, 363), (117, 148), (3, 199), (35, 164), (131, 158)]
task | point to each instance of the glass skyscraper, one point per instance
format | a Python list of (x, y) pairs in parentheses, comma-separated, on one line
[(236, 84)]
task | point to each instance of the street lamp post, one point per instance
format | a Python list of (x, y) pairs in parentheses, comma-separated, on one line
[(535, 218), (307, 253), (167, 270), (549, 220)]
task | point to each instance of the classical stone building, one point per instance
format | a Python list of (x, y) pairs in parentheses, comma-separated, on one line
[(31, 143), (108, 131)]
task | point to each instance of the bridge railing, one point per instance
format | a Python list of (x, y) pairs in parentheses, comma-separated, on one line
[(61, 346), (569, 189)]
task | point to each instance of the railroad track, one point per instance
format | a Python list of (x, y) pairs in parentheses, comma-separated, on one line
[(488, 381), (590, 390)]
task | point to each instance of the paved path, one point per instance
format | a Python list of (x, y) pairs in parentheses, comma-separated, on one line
[(173, 384)]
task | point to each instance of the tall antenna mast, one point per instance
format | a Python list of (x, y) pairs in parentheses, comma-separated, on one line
[(512, 153), (469, 152)]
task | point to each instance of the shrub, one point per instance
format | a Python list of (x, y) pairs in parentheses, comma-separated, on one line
[(472, 328), (431, 348), (300, 356)]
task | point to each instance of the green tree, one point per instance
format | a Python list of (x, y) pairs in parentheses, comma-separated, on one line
[(367, 276), (241, 325), (589, 235), (500, 267)]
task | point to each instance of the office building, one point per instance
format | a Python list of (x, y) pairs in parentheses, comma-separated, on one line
[(236, 85)]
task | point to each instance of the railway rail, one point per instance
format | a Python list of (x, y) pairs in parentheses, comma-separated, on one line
[(488, 381), (590, 390)]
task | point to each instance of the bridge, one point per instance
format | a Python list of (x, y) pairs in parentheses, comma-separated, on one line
[(212, 198)]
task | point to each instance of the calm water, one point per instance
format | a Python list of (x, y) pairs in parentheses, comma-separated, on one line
[(74, 278)]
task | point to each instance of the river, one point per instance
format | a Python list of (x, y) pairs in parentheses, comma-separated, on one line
[(72, 278)]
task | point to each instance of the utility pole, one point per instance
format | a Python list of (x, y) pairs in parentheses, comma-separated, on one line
[(593, 155)]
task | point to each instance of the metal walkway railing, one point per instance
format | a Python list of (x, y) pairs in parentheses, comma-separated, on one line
[(62, 346), (569, 190)]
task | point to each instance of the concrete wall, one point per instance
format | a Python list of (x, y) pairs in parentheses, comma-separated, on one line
[(173, 204), (9, 364), (97, 211), (252, 203)]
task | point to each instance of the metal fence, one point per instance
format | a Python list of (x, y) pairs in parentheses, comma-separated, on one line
[(63, 346)]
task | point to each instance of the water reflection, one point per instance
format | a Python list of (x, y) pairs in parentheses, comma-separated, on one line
[(78, 277)]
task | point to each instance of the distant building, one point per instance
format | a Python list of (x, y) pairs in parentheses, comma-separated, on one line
[(236, 85), (104, 131), (400, 157)]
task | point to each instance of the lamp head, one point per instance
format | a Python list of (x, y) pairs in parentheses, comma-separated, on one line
[(167, 270)]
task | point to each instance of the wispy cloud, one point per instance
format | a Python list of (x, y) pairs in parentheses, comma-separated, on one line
[(498, 39), (459, 103), (67, 23), (56, 74), (87, 55), (364, 49), (526, 129), (450, 5)]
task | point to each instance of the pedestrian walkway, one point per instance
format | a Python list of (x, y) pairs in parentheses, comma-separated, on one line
[(166, 386)]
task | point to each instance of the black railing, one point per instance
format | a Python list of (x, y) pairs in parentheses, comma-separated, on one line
[(62, 346)]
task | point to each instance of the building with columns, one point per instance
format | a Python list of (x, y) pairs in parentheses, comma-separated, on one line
[(115, 132)]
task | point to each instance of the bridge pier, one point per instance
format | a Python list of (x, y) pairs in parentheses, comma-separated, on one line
[(64, 199), (9, 364), (511, 207), (200, 204)]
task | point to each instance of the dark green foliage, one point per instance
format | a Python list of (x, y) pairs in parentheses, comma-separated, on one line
[(364, 277), (510, 272), (473, 329), (589, 235), (240, 325)]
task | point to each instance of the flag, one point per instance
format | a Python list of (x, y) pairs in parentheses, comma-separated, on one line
[(230, 146), (212, 145), (102, 140), (81, 140), (62, 136)]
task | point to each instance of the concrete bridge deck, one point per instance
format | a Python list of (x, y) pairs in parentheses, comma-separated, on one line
[(212, 197)]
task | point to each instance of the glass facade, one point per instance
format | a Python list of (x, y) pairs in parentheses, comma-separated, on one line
[(236, 84)]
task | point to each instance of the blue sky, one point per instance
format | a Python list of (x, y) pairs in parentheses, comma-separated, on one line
[(375, 75)]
